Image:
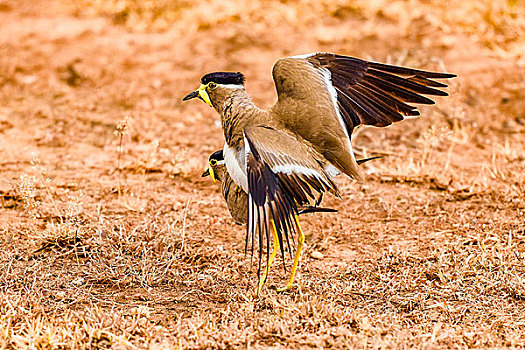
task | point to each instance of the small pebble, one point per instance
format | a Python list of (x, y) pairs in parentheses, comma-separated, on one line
[(317, 255)]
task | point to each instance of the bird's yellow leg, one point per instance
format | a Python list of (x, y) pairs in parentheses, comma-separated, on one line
[(276, 247), (297, 256)]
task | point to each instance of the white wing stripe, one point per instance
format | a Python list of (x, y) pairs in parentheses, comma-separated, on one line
[(304, 56), (297, 169), (333, 94), (331, 170)]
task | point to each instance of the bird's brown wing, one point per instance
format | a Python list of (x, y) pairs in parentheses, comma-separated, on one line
[(325, 96), (367, 93), (297, 164), (283, 174)]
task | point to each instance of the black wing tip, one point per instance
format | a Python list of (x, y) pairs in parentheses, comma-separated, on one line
[(438, 93), (364, 160), (426, 82), (449, 75), (410, 71), (396, 69), (436, 75)]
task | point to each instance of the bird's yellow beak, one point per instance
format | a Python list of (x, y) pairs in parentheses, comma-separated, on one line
[(201, 93)]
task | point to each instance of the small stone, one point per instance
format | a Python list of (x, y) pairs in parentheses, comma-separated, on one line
[(317, 255), (78, 281)]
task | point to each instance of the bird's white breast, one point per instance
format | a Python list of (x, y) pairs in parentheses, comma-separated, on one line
[(235, 161)]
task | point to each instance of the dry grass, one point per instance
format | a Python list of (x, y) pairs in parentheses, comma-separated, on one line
[(109, 238)]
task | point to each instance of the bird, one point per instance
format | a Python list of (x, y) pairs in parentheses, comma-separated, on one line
[(237, 200), (288, 155)]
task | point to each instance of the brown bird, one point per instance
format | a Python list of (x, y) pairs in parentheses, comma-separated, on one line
[(237, 199), (287, 156)]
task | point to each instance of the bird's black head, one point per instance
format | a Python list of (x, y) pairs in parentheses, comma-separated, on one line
[(216, 167), (216, 157), (225, 78), (217, 86)]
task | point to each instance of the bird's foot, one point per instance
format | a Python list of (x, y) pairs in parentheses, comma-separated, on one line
[(287, 287)]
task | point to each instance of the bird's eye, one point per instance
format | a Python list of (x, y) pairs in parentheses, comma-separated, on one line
[(212, 86), (213, 162)]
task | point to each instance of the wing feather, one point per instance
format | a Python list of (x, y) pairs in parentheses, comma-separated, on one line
[(268, 202), (282, 176), (295, 163), (394, 90), (403, 71), (368, 93), (426, 82), (382, 95)]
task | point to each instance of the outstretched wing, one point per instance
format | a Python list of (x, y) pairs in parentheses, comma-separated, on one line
[(364, 92), (377, 94), (323, 97), (283, 174)]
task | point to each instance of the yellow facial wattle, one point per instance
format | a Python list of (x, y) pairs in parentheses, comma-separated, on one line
[(204, 94), (212, 173)]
